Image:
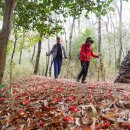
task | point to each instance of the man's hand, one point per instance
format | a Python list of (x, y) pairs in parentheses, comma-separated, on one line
[(66, 59)]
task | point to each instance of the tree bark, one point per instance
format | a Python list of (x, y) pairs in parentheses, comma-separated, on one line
[(66, 41), (33, 53), (15, 42), (120, 35), (114, 42), (79, 25), (47, 59), (99, 34), (21, 52), (101, 70), (70, 38), (5, 33), (38, 56), (109, 41)]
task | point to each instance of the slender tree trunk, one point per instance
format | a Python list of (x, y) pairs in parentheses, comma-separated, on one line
[(38, 56), (109, 41), (114, 42), (120, 35), (47, 59), (20, 56), (101, 70), (70, 37), (5, 33), (34, 48), (66, 42), (79, 25), (15, 42), (99, 34)]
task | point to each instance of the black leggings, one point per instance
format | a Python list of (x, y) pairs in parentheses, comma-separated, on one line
[(84, 71)]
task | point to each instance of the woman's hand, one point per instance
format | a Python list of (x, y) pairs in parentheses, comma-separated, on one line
[(98, 56), (47, 54)]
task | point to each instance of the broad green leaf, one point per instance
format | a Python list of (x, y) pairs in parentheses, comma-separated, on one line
[(2, 86)]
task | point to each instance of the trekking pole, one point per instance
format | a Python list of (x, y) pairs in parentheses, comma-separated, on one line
[(47, 64), (50, 68)]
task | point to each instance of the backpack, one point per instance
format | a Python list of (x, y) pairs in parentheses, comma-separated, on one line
[(78, 55)]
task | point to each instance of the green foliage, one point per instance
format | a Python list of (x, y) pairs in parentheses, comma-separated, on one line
[(37, 16), (32, 41), (1, 8), (2, 86), (22, 70), (9, 47)]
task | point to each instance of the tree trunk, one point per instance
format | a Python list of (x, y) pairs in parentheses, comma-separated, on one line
[(5, 33), (66, 41), (47, 59), (15, 42), (38, 56), (33, 53), (70, 38), (79, 25), (114, 42), (21, 52), (99, 34), (101, 70), (120, 35), (109, 42)]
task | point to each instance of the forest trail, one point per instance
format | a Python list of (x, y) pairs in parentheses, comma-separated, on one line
[(41, 102)]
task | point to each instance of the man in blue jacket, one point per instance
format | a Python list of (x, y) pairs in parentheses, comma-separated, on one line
[(58, 53)]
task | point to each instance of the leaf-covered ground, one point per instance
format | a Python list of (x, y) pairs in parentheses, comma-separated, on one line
[(40, 103)]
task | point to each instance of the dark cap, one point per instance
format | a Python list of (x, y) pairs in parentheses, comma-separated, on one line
[(89, 39), (57, 37)]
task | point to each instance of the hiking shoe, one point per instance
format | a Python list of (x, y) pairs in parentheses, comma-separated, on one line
[(83, 81), (78, 80)]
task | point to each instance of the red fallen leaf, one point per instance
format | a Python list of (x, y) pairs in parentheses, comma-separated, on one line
[(96, 127), (49, 108), (43, 85), (110, 89), (41, 123), (2, 99), (71, 98), (36, 88), (109, 95), (43, 90), (69, 119), (57, 99), (74, 108), (18, 96), (126, 94), (26, 102), (21, 112), (93, 86), (59, 89), (107, 124)]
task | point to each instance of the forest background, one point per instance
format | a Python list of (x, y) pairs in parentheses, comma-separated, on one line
[(31, 38)]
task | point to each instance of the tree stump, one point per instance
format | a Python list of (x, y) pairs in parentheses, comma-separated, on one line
[(124, 71)]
